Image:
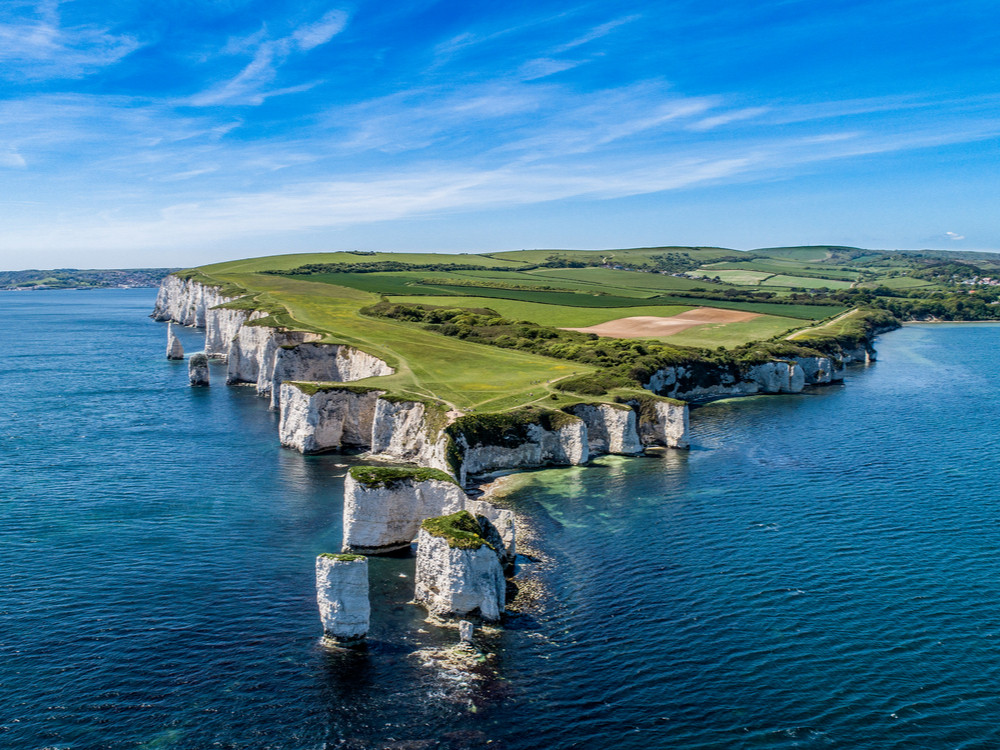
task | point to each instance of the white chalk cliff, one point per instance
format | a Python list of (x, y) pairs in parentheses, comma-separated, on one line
[(316, 418), (611, 428), (342, 596), (329, 363), (409, 432), (386, 516), (533, 446)]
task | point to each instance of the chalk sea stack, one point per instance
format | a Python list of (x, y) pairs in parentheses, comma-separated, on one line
[(458, 572), (175, 350), (342, 596), (198, 369)]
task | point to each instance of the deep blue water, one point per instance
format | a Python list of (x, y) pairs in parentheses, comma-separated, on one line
[(820, 570)]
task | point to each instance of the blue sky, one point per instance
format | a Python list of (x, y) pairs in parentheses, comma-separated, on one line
[(179, 132)]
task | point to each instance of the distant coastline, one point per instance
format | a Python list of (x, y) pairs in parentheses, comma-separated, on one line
[(33, 280)]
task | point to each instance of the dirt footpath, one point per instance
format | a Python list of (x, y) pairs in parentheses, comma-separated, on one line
[(649, 326)]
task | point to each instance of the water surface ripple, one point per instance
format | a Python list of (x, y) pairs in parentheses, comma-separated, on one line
[(819, 570)]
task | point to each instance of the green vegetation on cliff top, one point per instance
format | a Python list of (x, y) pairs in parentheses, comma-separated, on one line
[(461, 530), (501, 346), (390, 476)]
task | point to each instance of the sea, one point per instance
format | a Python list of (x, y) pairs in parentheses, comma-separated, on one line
[(820, 570)]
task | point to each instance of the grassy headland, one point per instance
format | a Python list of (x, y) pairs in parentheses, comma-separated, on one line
[(484, 332)]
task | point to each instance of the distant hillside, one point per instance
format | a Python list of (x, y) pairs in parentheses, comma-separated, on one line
[(74, 278)]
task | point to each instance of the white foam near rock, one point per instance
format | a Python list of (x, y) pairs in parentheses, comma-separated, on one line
[(342, 596)]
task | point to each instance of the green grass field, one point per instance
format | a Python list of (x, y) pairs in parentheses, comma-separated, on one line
[(549, 315), (806, 282), (712, 335), (622, 280), (537, 286), (742, 278)]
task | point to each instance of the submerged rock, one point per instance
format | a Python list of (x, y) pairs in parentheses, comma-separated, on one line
[(465, 630), (458, 572), (342, 596), (198, 369), (175, 350)]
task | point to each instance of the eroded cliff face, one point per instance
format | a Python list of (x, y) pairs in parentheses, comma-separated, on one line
[(221, 327), (502, 521), (455, 582), (252, 353), (404, 431), (661, 422), (323, 363), (611, 428), (566, 445), (186, 301), (387, 516), (316, 419), (690, 383), (819, 370), (342, 596)]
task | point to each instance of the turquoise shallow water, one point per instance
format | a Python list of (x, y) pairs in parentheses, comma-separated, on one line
[(820, 570)]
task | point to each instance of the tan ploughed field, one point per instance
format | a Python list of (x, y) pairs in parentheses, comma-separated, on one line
[(650, 326)]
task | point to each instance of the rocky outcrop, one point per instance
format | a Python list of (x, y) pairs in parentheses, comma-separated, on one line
[(701, 382), (498, 521), (175, 350), (819, 370), (342, 596), (611, 428), (384, 507), (316, 417), (198, 369), (661, 421), (330, 363), (458, 574), (410, 432), (520, 439)]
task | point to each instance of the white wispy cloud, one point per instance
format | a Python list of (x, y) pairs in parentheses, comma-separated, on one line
[(597, 32), (11, 159), (313, 35), (35, 45), (954, 236), (251, 85), (726, 118), (545, 66)]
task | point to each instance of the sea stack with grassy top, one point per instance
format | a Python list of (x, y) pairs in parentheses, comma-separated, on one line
[(458, 571), (342, 596), (384, 506)]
